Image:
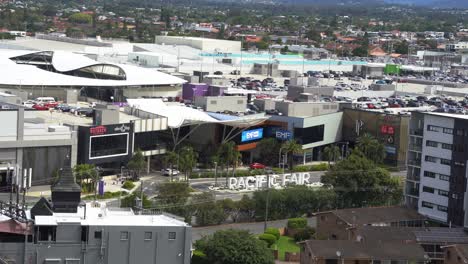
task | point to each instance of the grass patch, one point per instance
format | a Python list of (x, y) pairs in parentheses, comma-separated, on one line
[(107, 195), (285, 244)]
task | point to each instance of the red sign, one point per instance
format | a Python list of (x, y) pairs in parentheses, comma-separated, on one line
[(99, 130), (384, 129)]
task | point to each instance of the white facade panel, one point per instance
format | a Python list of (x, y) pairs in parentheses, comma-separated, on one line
[(432, 213), (8, 130)]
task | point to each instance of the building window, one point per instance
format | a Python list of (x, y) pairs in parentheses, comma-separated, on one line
[(427, 205), (172, 235), (448, 131), (444, 177), (460, 132), (455, 195), (213, 102), (124, 235), (97, 234), (433, 128), (459, 164), (428, 189), (430, 159), (442, 208), (433, 144), (445, 161), (148, 235), (429, 174), (443, 193), (447, 146)]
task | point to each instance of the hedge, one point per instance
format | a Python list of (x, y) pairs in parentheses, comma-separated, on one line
[(297, 223), (268, 238), (128, 185), (273, 231)]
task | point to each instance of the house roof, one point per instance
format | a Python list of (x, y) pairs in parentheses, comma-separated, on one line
[(462, 250), (370, 215), (347, 249)]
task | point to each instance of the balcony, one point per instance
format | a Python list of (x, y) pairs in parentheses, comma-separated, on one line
[(416, 132), (413, 177), (412, 192), (414, 162), (415, 147)]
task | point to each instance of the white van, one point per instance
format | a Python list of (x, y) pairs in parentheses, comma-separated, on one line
[(45, 100)]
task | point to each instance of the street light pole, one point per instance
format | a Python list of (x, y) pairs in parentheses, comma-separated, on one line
[(267, 200), (216, 173)]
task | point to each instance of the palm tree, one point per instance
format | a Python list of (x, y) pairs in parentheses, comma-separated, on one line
[(292, 147), (169, 159), (86, 173), (371, 148), (188, 160), (331, 153)]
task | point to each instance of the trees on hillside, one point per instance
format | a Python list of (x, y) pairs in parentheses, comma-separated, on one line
[(331, 153), (137, 163), (268, 149), (371, 148), (187, 161), (291, 147)]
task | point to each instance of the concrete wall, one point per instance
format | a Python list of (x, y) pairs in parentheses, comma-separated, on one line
[(264, 104), (208, 45), (9, 125), (306, 109), (222, 103)]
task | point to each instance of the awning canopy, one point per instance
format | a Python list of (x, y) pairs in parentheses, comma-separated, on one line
[(181, 115)]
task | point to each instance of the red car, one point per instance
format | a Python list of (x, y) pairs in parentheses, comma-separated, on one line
[(40, 107), (257, 166), (51, 104)]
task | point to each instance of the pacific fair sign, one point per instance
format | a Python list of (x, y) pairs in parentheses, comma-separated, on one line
[(256, 182)]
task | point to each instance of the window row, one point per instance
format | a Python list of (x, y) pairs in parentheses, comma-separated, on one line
[(428, 189), (435, 144), (124, 235), (430, 174), (435, 160), (432, 206), (445, 130)]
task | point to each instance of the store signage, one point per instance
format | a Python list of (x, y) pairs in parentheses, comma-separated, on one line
[(390, 150), (387, 130), (99, 130), (253, 134), (122, 128), (259, 181), (283, 135)]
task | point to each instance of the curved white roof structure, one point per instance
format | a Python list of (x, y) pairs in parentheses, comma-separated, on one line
[(27, 73), (181, 115)]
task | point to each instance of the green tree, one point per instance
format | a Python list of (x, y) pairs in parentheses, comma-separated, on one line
[(268, 150), (371, 148), (187, 161), (228, 155), (262, 45), (285, 49), (361, 51), (80, 18), (129, 201), (358, 182), (172, 197), (292, 148), (402, 47), (331, 153), (137, 163), (86, 176), (206, 210), (234, 247), (170, 159)]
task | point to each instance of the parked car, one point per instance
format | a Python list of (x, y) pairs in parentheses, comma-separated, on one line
[(88, 112), (63, 107), (167, 172), (40, 107), (218, 73), (29, 103), (257, 166)]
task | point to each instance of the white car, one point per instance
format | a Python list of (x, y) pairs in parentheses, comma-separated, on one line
[(29, 103), (167, 172)]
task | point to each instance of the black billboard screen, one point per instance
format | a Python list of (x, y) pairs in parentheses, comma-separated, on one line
[(108, 146), (310, 134)]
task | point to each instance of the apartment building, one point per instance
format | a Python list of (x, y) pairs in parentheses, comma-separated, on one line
[(437, 155)]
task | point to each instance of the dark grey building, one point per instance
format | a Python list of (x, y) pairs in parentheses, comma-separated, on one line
[(67, 231)]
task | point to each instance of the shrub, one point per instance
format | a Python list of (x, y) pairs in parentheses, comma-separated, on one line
[(304, 234), (319, 167), (296, 223), (199, 257), (128, 185), (268, 238), (273, 231)]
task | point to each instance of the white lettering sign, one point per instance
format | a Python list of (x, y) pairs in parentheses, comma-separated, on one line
[(275, 181)]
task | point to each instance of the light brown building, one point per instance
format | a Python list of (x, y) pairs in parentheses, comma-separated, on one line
[(456, 254), (353, 252), (339, 223)]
